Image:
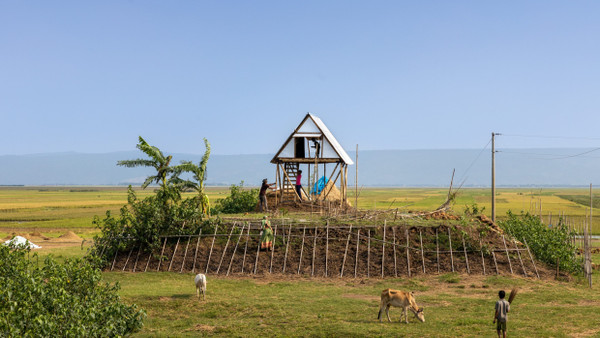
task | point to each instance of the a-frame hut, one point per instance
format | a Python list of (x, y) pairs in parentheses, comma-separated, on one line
[(313, 149)]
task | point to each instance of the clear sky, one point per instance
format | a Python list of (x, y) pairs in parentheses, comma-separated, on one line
[(90, 76)]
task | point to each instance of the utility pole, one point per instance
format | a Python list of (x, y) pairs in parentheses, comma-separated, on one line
[(494, 178)]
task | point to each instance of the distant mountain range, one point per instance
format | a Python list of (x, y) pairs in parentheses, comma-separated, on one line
[(399, 168)]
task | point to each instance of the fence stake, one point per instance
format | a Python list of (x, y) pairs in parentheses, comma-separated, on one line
[(437, 249), (383, 250), (185, 255), (368, 253), (273, 248), (235, 249), (225, 250), (287, 245), (451, 255), (115, 259), (356, 258), (301, 249), (127, 260), (345, 251), (466, 257), (326, 248), (481, 251), (532, 261), (246, 248), (506, 249), (174, 252), (407, 252), (495, 263), (422, 253), (395, 258), (519, 255), (211, 247), (137, 257), (312, 269), (148, 261), (257, 254), (161, 254), (196, 253)]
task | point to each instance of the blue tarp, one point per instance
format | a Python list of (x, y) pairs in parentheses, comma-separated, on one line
[(319, 186)]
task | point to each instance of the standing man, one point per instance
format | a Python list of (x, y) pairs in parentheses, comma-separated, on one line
[(262, 195), (299, 184)]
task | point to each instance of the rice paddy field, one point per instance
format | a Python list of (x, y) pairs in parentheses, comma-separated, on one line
[(275, 305)]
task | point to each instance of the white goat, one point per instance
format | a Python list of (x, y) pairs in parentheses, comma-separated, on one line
[(200, 281)]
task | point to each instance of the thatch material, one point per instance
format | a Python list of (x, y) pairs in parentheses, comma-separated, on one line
[(513, 294)]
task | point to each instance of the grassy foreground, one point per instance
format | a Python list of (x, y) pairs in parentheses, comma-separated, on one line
[(455, 305)]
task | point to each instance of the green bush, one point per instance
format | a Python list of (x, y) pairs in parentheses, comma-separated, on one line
[(60, 300), (547, 244), (238, 201)]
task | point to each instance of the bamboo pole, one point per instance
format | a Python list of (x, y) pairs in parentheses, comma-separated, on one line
[(257, 254), (532, 261), (287, 245), (437, 249), (211, 247), (495, 263), (356, 258), (346, 252), (506, 249), (368, 253), (246, 247), (301, 249), (196, 252), (225, 249), (520, 260), (184, 255), (161, 254), (451, 255), (383, 250), (327, 249), (407, 253), (127, 260), (174, 252), (481, 251), (148, 261), (422, 254), (114, 259), (395, 258), (466, 257), (273, 249), (235, 249), (137, 257), (312, 269)]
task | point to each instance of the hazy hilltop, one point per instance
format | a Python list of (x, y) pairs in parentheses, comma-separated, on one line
[(522, 167)]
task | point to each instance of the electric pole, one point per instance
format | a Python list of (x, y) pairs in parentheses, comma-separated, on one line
[(494, 178)]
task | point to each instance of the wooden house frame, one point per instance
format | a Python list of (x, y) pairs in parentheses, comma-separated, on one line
[(313, 146)]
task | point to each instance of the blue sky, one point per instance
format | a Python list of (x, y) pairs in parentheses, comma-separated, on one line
[(90, 77)]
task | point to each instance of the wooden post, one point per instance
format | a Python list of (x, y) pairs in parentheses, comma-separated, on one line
[(114, 259), (495, 263), (235, 249), (127, 260), (148, 262), (174, 252), (137, 257), (519, 255), (225, 249), (301, 249), (356, 258), (326, 248), (345, 252), (185, 255), (312, 269), (211, 248), (246, 247), (383, 250), (506, 250), (287, 245), (451, 254), (437, 249), (422, 253), (481, 251), (273, 248), (395, 258), (532, 261), (257, 254), (161, 254), (466, 257), (196, 253), (407, 252), (368, 253)]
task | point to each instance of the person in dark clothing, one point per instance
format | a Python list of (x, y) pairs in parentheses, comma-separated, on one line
[(262, 195)]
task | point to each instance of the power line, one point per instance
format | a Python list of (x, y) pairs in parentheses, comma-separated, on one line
[(553, 137), (475, 160), (557, 156)]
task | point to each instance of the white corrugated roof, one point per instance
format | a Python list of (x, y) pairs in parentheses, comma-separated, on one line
[(329, 136)]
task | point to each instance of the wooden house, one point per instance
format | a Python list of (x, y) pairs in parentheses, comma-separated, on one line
[(312, 148)]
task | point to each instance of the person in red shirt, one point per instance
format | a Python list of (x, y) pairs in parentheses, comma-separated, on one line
[(299, 184)]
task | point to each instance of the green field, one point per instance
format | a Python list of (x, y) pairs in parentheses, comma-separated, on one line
[(276, 305)]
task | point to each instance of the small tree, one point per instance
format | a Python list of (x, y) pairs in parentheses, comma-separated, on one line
[(239, 200), (199, 175)]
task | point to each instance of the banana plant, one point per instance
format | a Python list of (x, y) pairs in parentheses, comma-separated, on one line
[(199, 176)]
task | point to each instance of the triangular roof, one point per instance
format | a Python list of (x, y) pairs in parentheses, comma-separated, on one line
[(312, 126)]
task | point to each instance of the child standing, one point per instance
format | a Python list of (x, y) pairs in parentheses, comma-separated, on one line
[(502, 308)]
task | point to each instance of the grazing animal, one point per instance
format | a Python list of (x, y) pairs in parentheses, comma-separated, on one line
[(200, 281), (405, 300)]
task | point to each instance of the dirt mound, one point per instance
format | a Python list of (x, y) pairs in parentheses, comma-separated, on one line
[(69, 236), (38, 235)]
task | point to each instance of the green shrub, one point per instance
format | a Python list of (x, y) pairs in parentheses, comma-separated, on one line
[(238, 201), (547, 244), (60, 300)]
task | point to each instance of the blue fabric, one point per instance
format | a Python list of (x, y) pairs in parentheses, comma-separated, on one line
[(319, 186)]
